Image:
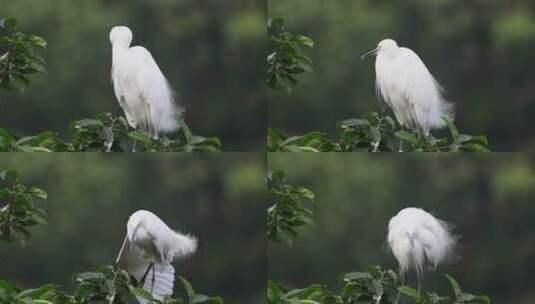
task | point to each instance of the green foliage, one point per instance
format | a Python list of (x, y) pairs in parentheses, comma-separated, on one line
[(20, 208), (374, 285), (375, 133), (18, 58), (286, 212), (106, 285), (46, 294), (285, 59), (113, 285), (106, 133)]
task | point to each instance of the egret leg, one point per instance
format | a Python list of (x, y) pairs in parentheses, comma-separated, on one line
[(144, 277), (420, 279), (134, 145), (152, 283), (108, 146), (400, 149), (402, 281)]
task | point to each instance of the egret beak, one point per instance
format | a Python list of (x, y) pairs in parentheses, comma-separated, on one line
[(369, 53)]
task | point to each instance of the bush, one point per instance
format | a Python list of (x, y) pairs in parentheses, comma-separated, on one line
[(375, 133)]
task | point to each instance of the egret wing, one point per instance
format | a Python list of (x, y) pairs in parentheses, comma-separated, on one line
[(155, 91), (168, 244), (422, 93), (125, 89)]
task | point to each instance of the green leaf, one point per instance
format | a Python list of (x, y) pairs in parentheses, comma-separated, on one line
[(39, 193), (306, 193), (10, 176), (88, 123), (187, 286), (407, 136), (410, 292), (356, 276), (453, 130), (306, 41), (454, 285), (37, 40), (276, 22), (90, 276), (9, 22), (185, 130), (140, 136)]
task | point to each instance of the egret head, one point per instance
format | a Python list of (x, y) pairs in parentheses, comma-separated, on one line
[(121, 36), (384, 45), (133, 223)]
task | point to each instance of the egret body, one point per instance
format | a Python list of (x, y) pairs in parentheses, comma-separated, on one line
[(148, 251), (419, 241), (406, 85), (140, 87)]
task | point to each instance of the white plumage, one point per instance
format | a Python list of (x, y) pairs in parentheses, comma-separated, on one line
[(407, 86), (141, 88), (148, 251), (419, 241)]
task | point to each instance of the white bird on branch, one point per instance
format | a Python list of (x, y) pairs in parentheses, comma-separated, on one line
[(419, 242), (407, 86), (141, 88), (148, 250)]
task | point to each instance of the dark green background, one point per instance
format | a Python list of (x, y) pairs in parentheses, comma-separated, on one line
[(212, 52), (481, 51), (488, 198), (217, 198)]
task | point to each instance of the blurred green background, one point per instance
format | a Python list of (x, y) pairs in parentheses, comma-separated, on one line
[(488, 198), (481, 51), (212, 52), (90, 197)]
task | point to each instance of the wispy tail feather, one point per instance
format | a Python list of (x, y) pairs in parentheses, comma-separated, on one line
[(183, 245)]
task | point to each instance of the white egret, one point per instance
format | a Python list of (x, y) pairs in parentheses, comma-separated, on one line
[(407, 86), (141, 88), (419, 241), (148, 250)]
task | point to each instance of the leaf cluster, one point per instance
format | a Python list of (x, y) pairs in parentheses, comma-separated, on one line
[(286, 211), (376, 132), (18, 56), (286, 60), (374, 285), (106, 133), (107, 284), (20, 208)]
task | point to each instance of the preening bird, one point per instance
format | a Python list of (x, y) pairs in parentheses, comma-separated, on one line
[(141, 88), (407, 86), (148, 250), (419, 241)]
